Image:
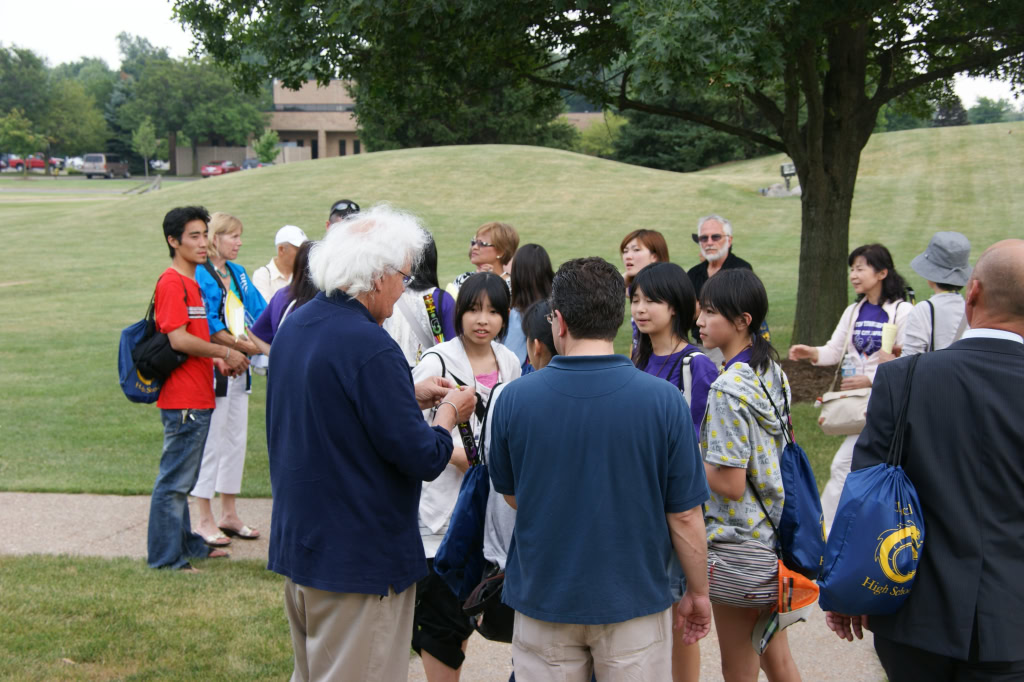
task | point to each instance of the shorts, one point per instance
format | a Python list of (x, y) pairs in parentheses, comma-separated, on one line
[(439, 624), (743, 574)]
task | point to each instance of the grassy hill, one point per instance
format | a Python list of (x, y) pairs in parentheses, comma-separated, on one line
[(77, 272)]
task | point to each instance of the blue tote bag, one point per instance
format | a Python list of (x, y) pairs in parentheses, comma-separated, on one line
[(878, 534), (460, 557), (801, 535), (136, 388)]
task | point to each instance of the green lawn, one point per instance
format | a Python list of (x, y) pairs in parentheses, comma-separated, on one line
[(14, 182), (76, 273), (101, 619)]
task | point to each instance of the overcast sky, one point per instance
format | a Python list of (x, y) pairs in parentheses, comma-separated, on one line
[(67, 30)]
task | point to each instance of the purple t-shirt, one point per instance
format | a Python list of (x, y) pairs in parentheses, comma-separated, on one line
[(702, 373), (267, 323), (867, 330), (446, 306), (742, 356)]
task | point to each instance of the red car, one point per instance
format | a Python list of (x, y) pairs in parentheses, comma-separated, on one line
[(218, 168), (34, 161)]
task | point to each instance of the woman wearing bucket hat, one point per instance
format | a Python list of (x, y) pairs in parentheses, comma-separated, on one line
[(939, 321)]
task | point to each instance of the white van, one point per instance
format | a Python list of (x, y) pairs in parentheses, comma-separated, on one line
[(105, 165)]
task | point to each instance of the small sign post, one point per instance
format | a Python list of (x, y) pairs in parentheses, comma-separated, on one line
[(787, 170)]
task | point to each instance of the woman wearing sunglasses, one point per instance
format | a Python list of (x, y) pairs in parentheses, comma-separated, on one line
[(490, 250)]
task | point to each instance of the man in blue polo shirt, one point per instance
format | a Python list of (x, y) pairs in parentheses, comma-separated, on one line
[(601, 461)]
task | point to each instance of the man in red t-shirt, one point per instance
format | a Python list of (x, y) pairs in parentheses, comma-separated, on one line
[(186, 398)]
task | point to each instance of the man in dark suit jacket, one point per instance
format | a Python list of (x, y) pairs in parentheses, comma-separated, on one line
[(964, 453)]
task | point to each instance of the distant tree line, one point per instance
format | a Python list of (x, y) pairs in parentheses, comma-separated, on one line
[(148, 105)]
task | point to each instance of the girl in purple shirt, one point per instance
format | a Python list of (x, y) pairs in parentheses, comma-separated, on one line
[(663, 306)]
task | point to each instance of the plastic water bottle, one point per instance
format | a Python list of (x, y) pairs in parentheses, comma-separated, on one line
[(849, 366)]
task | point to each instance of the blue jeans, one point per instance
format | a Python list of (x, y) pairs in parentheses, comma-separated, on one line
[(171, 542)]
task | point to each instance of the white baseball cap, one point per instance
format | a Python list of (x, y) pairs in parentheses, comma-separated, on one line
[(290, 234)]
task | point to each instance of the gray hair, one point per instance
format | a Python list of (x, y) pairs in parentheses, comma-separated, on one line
[(726, 225), (364, 247)]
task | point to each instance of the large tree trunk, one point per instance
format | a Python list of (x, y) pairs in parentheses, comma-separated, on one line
[(824, 247), (840, 119)]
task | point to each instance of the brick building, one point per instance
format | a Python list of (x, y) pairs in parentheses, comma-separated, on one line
[(321, 119)]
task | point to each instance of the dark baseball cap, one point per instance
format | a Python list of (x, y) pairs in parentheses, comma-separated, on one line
[(343, 207)]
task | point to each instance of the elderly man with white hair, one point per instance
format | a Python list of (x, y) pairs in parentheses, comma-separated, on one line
[(349, 450), (714, 237)]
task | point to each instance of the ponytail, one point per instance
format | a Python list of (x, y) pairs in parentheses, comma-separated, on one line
[(762, 352), (731, 293)]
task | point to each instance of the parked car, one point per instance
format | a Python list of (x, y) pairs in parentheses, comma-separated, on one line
[(105, 165), (75, 162), (218, 168), (255, 163), (33, 162), (158, 165)]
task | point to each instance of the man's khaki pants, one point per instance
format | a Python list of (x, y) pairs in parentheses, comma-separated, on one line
[(638, 649), (345, 636)]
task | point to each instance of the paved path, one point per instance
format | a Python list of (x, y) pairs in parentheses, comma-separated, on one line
[(113, 526)]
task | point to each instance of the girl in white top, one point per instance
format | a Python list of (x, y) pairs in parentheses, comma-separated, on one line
[(945, 265), (476, 359), (880, 290)]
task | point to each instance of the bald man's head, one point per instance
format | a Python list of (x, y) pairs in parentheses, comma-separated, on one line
[(1000, 272)]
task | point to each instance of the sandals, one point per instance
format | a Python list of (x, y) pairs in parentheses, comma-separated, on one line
[(218, 540), (244, 533)]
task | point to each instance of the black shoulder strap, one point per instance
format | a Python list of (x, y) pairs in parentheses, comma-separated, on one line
[(483, 422), (213, 273), (895, 454), (444, 368), (151, 314), (786, 422), (931, 306)]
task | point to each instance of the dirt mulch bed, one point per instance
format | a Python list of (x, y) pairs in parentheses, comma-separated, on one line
[(806, 381)]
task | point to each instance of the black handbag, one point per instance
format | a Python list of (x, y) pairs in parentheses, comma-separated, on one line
[(492, 618), (153, 355)]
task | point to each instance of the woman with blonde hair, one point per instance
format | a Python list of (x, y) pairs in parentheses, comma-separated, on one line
[(491, 250), (222, 281)]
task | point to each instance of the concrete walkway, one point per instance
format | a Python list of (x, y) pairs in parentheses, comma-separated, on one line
[(115, 526)]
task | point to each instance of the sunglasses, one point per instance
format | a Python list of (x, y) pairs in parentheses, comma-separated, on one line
[(704, 238), (345, 206), (479, 242), (405, 278)]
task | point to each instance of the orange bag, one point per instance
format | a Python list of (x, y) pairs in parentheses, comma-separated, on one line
[(797, 595)]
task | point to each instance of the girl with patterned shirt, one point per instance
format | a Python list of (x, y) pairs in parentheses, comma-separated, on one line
[(741, 440)]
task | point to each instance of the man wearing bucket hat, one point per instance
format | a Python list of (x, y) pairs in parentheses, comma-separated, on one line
[(941, 320)]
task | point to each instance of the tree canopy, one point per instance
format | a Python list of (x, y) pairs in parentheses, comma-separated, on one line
[(818, 71)]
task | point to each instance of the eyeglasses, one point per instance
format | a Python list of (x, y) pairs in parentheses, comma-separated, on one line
[(405, 278), (479, 242), (551, 317), (704, 238)]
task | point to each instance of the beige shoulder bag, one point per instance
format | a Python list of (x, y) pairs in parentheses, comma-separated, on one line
[(843, 412)]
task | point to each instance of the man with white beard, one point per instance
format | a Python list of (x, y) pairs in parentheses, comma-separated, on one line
[(714, 237)]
